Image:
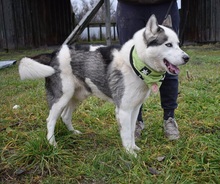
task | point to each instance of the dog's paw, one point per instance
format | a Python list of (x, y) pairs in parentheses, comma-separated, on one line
[(53, 143), (52, 140), (135, 147), (76, 132), (131, 152)]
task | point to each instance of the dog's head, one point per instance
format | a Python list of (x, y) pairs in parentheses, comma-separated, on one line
[(160, 48)]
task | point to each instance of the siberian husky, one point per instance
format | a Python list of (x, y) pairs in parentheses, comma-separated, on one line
[(124, 76)]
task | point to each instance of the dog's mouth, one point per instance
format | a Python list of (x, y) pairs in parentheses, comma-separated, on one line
[(172, 68)]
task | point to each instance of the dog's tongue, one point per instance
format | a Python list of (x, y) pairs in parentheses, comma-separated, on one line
[(172, 68)]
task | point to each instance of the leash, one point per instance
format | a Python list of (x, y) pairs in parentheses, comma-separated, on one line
[(181, 33), (169, 8)]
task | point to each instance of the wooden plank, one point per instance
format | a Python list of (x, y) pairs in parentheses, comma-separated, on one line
[(217, 22), (83, 23), (27, 25), (18, 23), (3, 32), (108, 22), (9, 23), (212, 27)]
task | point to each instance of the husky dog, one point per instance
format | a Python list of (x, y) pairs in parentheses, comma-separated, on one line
[(124, 76)]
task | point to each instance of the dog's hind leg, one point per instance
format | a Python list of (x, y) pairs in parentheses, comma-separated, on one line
[(54, 114), (51, 123), (67, 115)]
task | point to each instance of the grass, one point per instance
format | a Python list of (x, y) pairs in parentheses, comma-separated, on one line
[(97, 156)]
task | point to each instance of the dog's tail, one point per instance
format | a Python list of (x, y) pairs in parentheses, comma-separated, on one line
[(34, 68)]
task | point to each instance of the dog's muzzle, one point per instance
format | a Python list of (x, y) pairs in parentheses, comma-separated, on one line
[(185, 58)]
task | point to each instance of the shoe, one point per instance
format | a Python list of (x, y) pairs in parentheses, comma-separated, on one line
[(139, 127), (171, 129)]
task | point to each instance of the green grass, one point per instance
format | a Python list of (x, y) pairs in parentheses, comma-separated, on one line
[(96, 155)]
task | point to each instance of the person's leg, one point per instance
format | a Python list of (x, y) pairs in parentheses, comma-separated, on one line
[(168, 94), (129, 19), (169, 87), (160, 12)]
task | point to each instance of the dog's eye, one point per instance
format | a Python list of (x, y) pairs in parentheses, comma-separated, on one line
[(169, 44)]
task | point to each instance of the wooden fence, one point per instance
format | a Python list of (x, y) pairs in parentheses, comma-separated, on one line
[(100, 28), (34, 23), (202, 24), (199, 22)]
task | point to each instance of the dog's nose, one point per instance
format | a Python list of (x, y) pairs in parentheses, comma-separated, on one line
[(185, 58)]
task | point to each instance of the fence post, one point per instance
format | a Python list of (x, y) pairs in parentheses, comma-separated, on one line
[(88, 32), (100, 31), (107, 22), (114, 31)]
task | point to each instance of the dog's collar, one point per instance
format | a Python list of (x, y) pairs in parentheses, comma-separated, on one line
[(148, 75)]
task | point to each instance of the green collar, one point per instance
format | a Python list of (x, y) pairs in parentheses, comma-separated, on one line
[(143, 71)]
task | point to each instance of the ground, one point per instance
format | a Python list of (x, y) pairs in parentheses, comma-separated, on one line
[(96, 155)]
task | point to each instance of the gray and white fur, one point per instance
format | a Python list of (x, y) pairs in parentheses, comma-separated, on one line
[(72, 74)]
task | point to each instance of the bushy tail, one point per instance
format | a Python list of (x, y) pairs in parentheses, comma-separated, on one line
[(32, 69)]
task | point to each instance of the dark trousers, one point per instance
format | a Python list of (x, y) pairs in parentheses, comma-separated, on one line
[(130, 18)]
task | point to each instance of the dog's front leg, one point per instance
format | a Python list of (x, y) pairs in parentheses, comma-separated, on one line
[(127, 137), (134, 116)]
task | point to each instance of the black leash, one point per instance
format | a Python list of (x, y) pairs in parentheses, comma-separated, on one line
[(168, 10)]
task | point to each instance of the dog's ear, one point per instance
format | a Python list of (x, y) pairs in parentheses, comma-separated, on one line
[(152, 25), (167, 22)]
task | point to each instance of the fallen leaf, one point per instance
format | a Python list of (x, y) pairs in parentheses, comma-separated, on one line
[(153, 171), (161, 158)]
